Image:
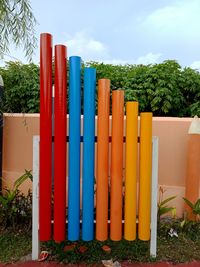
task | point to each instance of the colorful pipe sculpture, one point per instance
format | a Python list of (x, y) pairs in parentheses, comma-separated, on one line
[(110, 193)]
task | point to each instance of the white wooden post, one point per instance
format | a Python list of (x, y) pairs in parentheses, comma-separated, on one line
[(35, 200), (154, 193)]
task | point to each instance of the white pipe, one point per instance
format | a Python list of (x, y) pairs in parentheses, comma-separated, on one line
[(154, 194), (35, 200)]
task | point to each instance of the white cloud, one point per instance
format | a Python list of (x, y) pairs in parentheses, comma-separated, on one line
[(116, 61), (149, 58), (195, 65), (90, 49), (180, 18), (87, 47)]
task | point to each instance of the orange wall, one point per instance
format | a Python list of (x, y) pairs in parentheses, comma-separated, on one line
[(17, 145), (172, 132)]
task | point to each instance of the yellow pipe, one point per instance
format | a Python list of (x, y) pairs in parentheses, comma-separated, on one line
[(145, 175), (131, 170)]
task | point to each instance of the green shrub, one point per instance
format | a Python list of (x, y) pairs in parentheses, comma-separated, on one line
[(15, 207), (21, 83), (195, 207), (166, 89), (163, 207)]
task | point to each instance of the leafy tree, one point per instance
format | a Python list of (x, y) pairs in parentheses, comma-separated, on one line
[(166, 88), (190, 83), (17, 24), (21, 92)]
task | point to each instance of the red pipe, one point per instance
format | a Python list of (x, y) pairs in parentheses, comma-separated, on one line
[(60, 143), (45, 136)]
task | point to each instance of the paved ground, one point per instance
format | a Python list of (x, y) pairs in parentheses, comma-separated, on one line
[(48, 264)]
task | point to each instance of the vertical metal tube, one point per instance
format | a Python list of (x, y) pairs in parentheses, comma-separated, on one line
[(154, 197), (60, 143), (145, 175), (117, 165), (74, 148), (45, 135), (102, 159), (88, 154), (131, 170)]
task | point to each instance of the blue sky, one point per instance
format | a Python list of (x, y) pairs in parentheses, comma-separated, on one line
[(122, 31)]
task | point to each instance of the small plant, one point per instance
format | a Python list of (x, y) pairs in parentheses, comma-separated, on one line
[(15, 207), (195, 207), (163, 208)]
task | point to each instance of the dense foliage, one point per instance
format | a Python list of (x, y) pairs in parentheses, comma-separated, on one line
[(166, 88), (21, 92)]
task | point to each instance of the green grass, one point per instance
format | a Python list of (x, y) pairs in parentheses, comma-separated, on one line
[(178, 250), (121, 251), (182, 249), (13, 245)]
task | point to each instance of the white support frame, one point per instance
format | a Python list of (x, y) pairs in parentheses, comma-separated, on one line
[(154, 197), (35, 200), (35, 204)]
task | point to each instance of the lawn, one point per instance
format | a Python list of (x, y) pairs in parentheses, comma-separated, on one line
[(184, 248), (14, 245)]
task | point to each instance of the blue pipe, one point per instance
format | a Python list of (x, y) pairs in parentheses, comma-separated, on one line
[(74, 148), (88, 154)]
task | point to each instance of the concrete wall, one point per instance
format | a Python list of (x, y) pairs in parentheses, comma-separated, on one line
[(172, 132)]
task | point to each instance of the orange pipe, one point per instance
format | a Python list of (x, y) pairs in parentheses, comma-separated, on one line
[(102, 159), (145, 175), (131, 170), (192, 172), (117, 165)]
